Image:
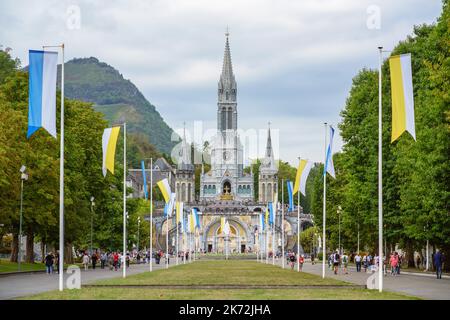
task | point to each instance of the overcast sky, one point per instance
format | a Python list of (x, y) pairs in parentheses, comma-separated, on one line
[(293, 60)]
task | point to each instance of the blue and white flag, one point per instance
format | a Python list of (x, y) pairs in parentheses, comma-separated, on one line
[(196, 217), (329, 166), (261, 222), (168, 207), (290, 188), (144, 178), (42, 91), (271, 213)]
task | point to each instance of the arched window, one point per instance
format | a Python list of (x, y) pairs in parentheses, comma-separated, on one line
[(230, 118), (269, 192), (189, 193), (227, 95), (263, 193), (183, 191)]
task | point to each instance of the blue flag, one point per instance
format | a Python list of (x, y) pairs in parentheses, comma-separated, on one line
[(42, 91), (329, 166), (196, 217), (144, 177), (261, 222), (290, 188), (271, 213)]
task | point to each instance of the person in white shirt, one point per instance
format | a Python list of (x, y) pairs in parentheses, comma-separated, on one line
[(85, 261), (358, 262)]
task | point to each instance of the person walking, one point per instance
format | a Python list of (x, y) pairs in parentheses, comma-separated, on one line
[(336, 261), (393, 261), (292, 260), (49, 263), (103, 258), (301, 261), (57, 261), (85, 261), (358, 262), (116, 261), (94, 259), (312, 259), (345, 263), (437, 260), (365, 262)]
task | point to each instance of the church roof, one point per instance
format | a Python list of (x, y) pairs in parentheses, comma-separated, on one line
[(269, 159)]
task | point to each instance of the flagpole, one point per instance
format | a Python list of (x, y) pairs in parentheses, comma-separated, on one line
[(151, 214), (298, 225), (380, 178), (176, 220), (282, 224), (324, 205), (61, 183), (124, 200), (167, 239), (273, 237)]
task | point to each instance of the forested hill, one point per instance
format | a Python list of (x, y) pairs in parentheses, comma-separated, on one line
[(117, 98)]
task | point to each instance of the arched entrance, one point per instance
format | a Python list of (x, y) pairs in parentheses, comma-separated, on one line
[(226, 189), (238, 239)]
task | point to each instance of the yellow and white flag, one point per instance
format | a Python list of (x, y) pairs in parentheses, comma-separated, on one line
[(165, 189), (304, 167), (191, 223), (179, 208), (109, 141), (402, 96), (222, 224)]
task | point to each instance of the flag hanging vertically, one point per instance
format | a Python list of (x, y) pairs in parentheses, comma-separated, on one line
[(196, 217), (191, 223), (402, 96), (261, 221), (226, 228), (304, 167), (271, 213), (329, 166), (144, 180), (165, 189), (266, 216), (171, 204), (222, 224), (42, 91), (179, 210), (291, 195), (109, 142)]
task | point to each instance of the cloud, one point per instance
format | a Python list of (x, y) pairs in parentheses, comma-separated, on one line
[(293, 60)]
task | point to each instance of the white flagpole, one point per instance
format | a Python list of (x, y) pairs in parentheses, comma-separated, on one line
[(61, 183), (151, 214), (167, 239), (176, 220), (190, 247), (282, 223), (298, 225), (124, 199), (324, 251), (380, 179), (273, 236)]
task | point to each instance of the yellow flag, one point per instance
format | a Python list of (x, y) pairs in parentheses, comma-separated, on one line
[(402, 96), (165, 189), (109, 141), (179, 209)]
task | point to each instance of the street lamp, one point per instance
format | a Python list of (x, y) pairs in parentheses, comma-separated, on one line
[(92, 219), (23, 177), (139, 223), (339, 210)]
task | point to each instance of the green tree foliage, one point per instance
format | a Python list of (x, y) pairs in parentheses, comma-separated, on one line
[(415, 173)]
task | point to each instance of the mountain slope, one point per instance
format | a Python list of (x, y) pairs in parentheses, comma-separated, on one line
[(118, 99)]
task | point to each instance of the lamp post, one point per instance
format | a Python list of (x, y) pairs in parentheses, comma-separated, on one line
[(339, 210), (23, 177), (139, 223), (92, 220)]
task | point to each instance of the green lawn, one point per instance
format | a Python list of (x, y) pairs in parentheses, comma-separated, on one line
[(220, 273), (7, 266)]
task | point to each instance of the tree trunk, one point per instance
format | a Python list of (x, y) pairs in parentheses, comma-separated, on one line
[(14, 248), (410, 255), (30, 247), (68, 254), (42, 251)]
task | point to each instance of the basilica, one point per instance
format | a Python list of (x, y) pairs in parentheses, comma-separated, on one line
[(225, 190)]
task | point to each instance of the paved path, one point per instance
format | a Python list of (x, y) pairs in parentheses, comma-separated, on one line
[(423, 286), (20, 285)]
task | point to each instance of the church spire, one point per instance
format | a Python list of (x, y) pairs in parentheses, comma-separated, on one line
[(185, 153), (269, 157), (227, 82)]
